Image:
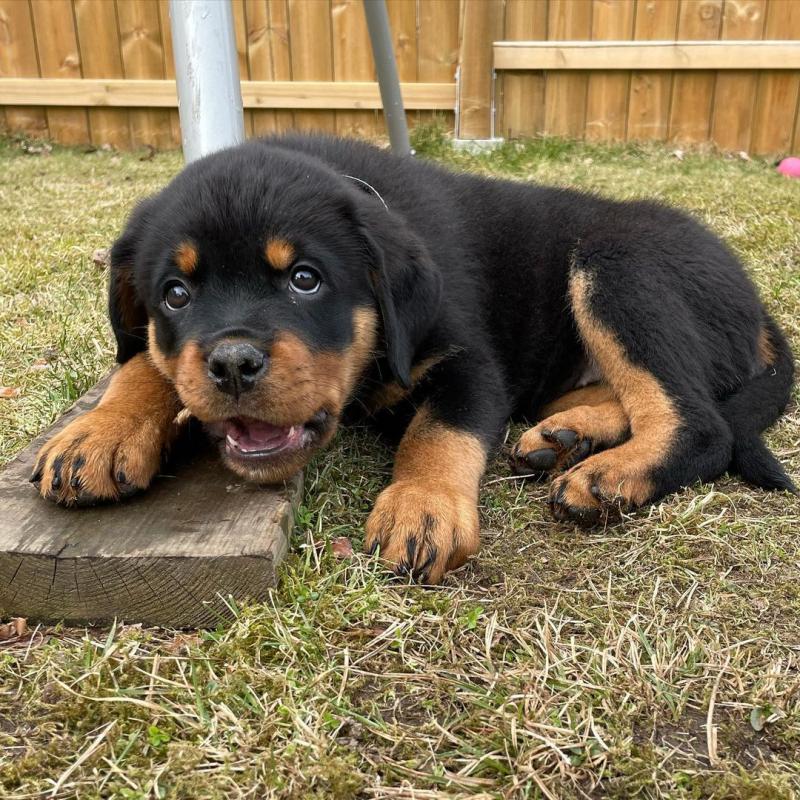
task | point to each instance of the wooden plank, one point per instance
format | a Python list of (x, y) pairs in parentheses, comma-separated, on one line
[(18, 59), (648, 106), (57, 48), (280, 51), (312, 58), (565, 93), (437, 45), (240, 33), (608, 92), (777, 94), (350, 63), (98, 39), (735, 94), (255, 94), (680, 55), (169, 556), (403, 25), (521, 106), (143, 58), (169, 68), (481, 23), (693, 92), (259, 59)]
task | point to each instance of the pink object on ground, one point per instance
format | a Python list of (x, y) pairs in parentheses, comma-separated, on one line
[(790, 167)]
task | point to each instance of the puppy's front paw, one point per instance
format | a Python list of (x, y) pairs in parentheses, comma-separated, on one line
[(423, 529), (100, 456)]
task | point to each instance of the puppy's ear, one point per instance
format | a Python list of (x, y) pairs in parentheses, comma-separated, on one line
[(127, 312), (408, 287)]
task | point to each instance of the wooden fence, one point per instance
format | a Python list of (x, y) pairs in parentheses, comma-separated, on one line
[(100, 70)]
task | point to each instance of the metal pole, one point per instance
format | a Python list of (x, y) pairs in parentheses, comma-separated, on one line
[(207, 73), (380, 37)]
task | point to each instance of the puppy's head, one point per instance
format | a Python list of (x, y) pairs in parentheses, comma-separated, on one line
[(262, 283)]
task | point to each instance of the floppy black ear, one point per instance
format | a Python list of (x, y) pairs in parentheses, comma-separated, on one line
[(127, 312), (408, 287)]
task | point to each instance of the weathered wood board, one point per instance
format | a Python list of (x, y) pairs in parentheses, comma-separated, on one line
[(166, 557)]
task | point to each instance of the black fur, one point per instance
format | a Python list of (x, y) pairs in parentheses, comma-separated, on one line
[(475, 271)]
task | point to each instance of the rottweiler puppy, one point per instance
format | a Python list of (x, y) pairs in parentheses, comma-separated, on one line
[(275, 288)]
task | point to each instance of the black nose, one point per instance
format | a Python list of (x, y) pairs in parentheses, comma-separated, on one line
[(235, 368)]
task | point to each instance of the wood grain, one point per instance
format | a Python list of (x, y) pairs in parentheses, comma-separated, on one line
[(57, 48), (18, 60), (608, 92), (693, 91), (521, 107), (734, 98), (170, 556), (96, 25)]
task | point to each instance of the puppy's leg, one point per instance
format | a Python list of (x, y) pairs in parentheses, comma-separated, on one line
[(115, 449), (426, 521), (639, 341), (573, 426)]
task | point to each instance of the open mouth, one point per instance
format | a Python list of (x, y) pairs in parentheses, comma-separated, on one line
[(249, 439)]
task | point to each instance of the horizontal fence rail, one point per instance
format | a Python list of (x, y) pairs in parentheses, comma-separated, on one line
[(619, 55), (255, 94)]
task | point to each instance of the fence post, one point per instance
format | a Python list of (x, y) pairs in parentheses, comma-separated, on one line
[(207, 75)]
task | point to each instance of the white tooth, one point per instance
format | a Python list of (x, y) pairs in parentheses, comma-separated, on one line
[(231, 441)]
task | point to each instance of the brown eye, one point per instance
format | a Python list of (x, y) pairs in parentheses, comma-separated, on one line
[(304, 280), (176, 296)]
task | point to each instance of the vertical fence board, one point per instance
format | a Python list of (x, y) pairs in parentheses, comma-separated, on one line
[(521, 112), (693, 91), (259, 59), (143, 57), (403, 24), (98, 37), (57, 46), (648, 106), (565, 92), (349, 25), (731, 125), (312, 60), (281, 55), (481, 24), (18, 60), (777, 95), (437, 45), (240, 31), (608, 92), (169, 67)]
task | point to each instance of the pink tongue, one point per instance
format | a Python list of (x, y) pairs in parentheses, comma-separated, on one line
[(252, 436)]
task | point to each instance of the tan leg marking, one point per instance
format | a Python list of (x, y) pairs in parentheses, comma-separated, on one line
[(621, 475), (391, 393), (591, 395), (116, 448), (426, 521), (766, 350), (571, 435)]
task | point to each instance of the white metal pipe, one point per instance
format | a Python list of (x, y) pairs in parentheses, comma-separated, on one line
[(207, 74)]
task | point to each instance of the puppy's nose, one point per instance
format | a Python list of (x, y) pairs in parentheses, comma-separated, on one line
[(236, 367)]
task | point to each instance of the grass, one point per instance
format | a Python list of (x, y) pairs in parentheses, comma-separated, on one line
[(656, 658)]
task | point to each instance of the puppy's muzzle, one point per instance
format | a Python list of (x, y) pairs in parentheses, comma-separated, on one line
[(236, 367)]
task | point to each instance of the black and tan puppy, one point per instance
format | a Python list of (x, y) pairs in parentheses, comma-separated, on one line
[(272, 287)]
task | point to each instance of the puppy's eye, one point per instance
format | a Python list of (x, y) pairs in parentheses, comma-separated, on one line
[(304, 279), (176, 296)]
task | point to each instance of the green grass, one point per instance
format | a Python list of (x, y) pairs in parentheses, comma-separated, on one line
[(559, 663)]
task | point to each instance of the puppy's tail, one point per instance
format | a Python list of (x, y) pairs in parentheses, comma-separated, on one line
[(754, 408)]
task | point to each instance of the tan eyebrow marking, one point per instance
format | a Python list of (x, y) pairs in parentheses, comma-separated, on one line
[(280, 253), (186, 257)]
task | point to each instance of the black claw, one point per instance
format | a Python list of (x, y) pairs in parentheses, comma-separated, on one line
[(411, 549), (37, 476), (565, 437), (595, 490), (75, 482), (57, 464), (122, 477), (541, 460), (374, 548)]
